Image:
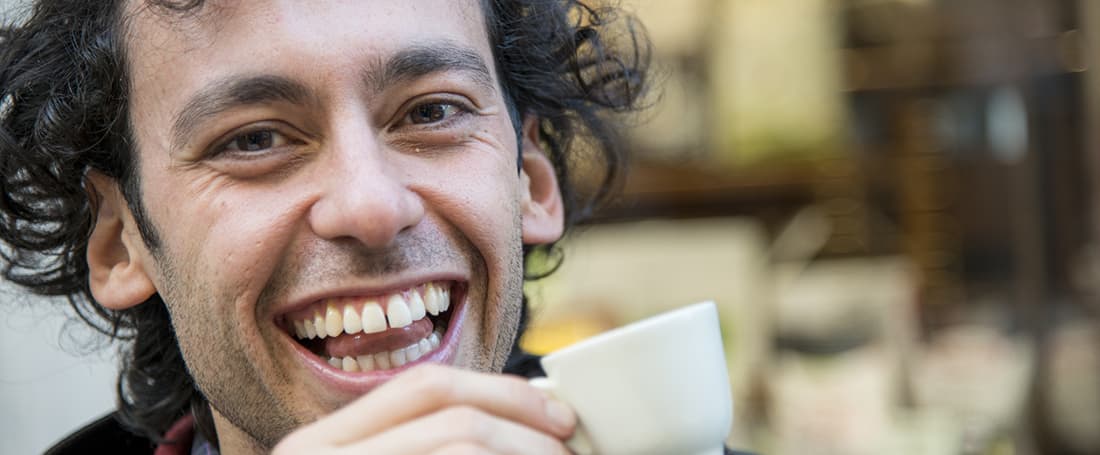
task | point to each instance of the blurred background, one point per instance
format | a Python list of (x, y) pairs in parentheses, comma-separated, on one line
[(892, 203)]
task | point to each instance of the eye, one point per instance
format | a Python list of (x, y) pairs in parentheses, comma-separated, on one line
[(255, 141), (260, 140), (257, 149), (433, 112)]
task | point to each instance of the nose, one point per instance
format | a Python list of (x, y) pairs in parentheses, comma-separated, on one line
[(364, 195)]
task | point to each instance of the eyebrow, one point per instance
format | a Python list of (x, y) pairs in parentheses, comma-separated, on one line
[(403, 66), (425, 59)]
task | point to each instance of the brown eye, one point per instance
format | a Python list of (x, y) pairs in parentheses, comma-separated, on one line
[(431, 113), (255, 141)]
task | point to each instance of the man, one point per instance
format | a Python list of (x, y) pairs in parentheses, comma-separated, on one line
[(309, 219)]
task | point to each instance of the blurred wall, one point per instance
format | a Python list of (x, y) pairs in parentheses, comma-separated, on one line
[(55, 374)]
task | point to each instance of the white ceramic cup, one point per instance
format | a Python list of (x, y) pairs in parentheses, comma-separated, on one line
[(655, 387)]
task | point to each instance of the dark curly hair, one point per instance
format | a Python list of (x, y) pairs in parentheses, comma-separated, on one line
[(64, 111)]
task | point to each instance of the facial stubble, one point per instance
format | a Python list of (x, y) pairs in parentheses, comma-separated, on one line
[(218, 362)]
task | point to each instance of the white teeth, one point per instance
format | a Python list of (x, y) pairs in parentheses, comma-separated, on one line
[(397, 312), (319, 325), (412, 352), (388, 359), (436, 299), (352, 322), (444, 299), (398, 358), (366, 362), (334, 322), (374, 319), (431, 303), (425, 347), (416, 306), (382, 361), (350, 364)]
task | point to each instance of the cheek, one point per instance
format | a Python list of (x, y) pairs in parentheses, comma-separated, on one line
[(225, 235), (479, 197)]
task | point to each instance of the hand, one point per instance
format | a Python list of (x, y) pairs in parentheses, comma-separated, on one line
[(432, 409)]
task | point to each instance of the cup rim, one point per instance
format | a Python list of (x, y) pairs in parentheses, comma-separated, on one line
[(706, 305)]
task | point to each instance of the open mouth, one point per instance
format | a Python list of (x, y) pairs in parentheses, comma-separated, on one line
[(376, 333)]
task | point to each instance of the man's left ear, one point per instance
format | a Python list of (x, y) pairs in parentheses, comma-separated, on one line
[(543, 212)]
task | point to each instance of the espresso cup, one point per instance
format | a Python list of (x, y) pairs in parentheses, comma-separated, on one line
[(658, 386)]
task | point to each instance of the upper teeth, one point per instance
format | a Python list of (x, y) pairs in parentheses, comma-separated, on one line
[(372, 315)]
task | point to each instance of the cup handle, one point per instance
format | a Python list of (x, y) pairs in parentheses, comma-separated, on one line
[(579, 443)]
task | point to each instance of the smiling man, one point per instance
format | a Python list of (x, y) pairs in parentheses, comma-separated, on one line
[(308, 219)]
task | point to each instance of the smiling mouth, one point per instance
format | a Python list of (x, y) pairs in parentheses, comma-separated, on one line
[(376, 333)]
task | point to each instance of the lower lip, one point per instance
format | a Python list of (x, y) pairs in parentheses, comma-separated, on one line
[(362, 382)]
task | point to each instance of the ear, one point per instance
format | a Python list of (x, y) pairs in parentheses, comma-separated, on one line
[(543, 212), (116, 271)]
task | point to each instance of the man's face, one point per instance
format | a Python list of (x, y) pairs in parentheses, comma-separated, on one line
[(307, 164)]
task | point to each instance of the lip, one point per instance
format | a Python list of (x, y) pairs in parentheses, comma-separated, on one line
[(361, 382)]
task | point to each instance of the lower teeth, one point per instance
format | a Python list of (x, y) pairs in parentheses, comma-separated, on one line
[(388, 359)]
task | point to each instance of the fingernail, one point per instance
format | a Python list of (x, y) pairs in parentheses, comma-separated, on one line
[(560, 414)]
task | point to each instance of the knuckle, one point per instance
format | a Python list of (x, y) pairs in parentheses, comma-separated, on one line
[(529, 395), (421, 372), (468, 423), (524, 395), (432, 383), (515, 384)]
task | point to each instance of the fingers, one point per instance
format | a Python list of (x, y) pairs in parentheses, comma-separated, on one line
[(429, 388), (442, 395), (460, 430), (462, 449)]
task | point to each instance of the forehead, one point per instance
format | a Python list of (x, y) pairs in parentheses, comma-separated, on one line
[(171, 52), (234, 22)]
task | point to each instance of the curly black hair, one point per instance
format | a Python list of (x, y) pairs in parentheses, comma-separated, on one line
[(64, 111)]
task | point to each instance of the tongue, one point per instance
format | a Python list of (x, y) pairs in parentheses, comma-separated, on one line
[(371, 343)]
